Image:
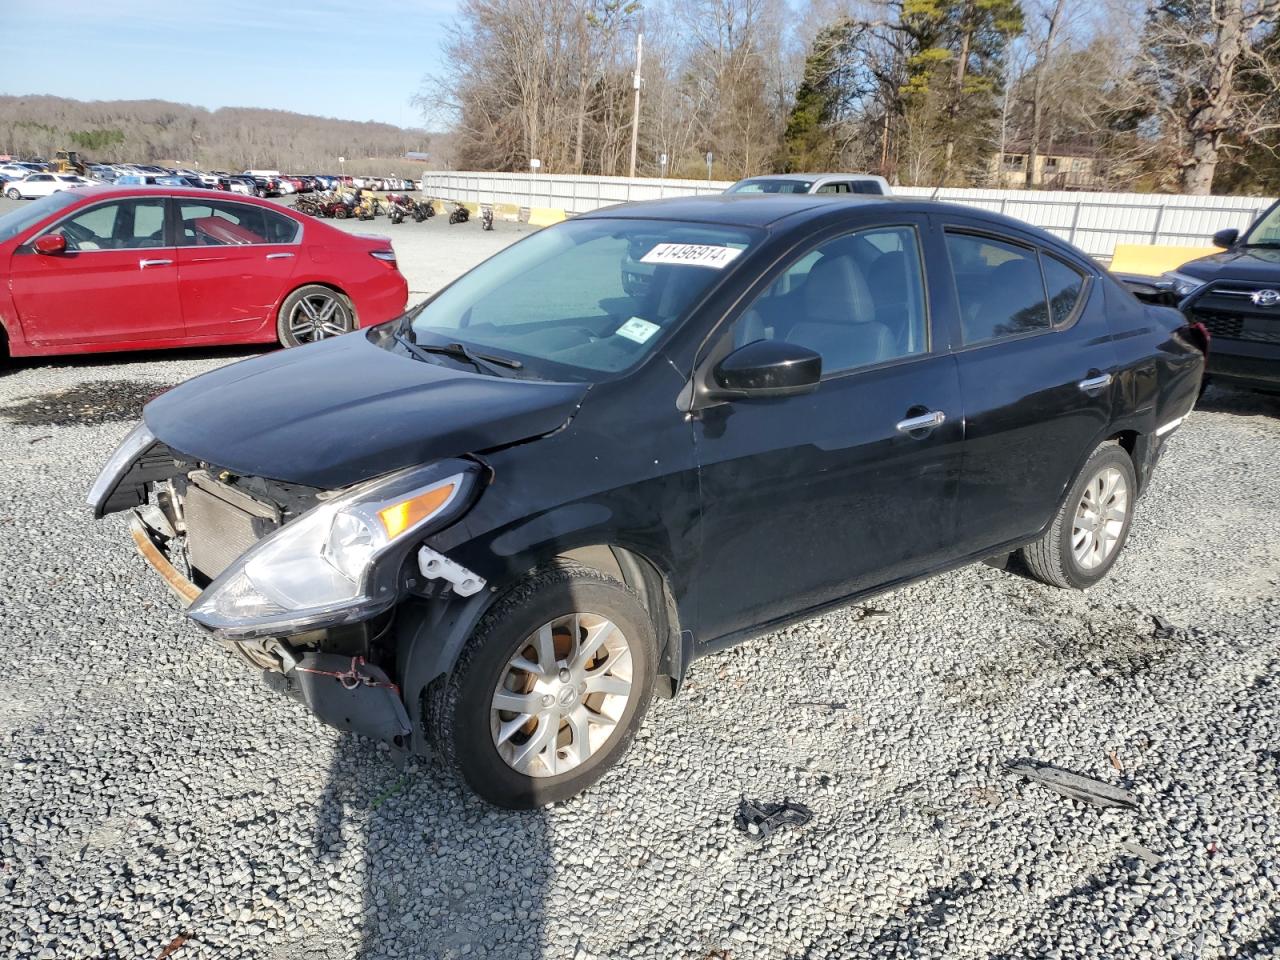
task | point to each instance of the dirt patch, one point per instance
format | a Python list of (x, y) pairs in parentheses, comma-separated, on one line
[(1113, 647), (87, 404)]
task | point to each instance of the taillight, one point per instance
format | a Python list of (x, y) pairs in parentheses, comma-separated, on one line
[(1203, 332), (386, 256)]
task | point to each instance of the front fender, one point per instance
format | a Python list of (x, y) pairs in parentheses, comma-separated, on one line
[(430, 635)]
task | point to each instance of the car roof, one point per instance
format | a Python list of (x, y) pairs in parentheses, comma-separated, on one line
[(750, 211), (166, 190), (812, 176), (798, 208)]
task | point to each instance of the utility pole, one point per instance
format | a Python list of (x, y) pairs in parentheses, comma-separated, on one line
[(635, 110)]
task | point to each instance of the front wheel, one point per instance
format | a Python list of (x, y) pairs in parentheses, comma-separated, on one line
[(1090, 529), (13, 194), (549, 690), (314, 313)]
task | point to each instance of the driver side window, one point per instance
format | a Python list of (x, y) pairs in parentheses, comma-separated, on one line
[(123, 225), (857, 300)]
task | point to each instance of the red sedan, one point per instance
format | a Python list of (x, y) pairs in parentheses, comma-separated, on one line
[(141, 268)]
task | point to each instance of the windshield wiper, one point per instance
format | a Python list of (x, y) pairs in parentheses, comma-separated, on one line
[(458, 351), (1266, 244)]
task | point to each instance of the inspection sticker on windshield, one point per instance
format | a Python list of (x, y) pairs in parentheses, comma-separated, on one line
[(692, 255), (638, 330)]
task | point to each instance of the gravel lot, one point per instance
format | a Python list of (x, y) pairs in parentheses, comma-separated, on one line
[(154, 788)]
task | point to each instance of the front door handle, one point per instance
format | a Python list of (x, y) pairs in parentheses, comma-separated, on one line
[(1089, 384), (143, 264), (926, 421), (278, 256)]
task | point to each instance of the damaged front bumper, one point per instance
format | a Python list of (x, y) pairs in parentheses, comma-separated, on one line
[(342, 690)]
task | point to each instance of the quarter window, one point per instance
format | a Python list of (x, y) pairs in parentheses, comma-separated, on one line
[(856, 300), (220, 223), (1064, 284), (999, 287)]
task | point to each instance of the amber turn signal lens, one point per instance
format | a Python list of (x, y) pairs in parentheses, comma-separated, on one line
[(399, 517)]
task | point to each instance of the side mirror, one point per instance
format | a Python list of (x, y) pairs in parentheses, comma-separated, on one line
[(1226, 238), (51, 243), (767, 368)]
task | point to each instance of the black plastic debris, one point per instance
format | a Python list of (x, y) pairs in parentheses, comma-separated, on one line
[(760, 820), (1164, 629)]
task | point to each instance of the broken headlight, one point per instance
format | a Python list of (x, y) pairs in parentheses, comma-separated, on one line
[(320, 569), (1183, 285)]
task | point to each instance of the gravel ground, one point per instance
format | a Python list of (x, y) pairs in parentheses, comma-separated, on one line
[(155, 789)]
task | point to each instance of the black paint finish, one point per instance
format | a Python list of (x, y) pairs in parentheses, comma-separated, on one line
[(753, 510)]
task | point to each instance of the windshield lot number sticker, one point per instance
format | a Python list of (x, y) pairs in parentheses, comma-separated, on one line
[(692, 255), (638, 330)]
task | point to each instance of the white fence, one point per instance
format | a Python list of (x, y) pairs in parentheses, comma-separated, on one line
[(1095, 222)]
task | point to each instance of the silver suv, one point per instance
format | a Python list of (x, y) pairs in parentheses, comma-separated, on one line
[(813, 183)]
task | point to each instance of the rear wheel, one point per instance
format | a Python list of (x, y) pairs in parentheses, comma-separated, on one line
[(314, 313), (1090, 529), (549, 690)]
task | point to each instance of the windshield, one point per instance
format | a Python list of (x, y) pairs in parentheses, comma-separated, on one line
[(1266, 232), (590, 296), (12, 224), (771, 186)]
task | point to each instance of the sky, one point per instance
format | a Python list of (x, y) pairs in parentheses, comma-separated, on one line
[(335, 58)]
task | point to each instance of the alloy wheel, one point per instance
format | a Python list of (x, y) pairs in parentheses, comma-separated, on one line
[(317, 316), (561, 695), (1099, 518)]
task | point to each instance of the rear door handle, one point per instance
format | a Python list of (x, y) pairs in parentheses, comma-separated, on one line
[(278, 256), (1090, 384), (143, 264), (926, 421)]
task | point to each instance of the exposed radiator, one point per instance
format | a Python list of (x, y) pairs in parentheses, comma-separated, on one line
[(222, 523)]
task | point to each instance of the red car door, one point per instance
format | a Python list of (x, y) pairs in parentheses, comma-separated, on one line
[(116, 281), (234, 264)]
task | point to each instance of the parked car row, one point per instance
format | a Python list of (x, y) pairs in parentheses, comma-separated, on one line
[(259, 183)]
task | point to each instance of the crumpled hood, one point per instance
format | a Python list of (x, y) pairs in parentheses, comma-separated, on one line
[(344, 410)]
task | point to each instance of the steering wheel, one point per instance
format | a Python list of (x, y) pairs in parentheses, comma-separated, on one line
[(76, 234)]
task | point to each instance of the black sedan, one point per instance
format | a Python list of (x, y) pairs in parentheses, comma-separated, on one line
[(505, 520)]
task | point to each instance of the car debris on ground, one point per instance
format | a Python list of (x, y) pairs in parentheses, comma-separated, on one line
[(1075, 785), (761, 820)]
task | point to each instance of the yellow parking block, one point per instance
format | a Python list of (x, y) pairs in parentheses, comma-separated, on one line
[(1151, 260), (545, 216)]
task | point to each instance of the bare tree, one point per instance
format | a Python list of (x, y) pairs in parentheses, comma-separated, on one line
[(1207, 81)]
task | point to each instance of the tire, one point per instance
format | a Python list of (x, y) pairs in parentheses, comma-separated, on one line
[(13, 194), (312, 313), (466, 725), (1074, 553)]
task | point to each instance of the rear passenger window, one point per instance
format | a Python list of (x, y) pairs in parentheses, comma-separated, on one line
[(999, 288), (1064, 284), (221, 223), (833, 188)]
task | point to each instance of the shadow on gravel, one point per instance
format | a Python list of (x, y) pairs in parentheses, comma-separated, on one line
[(442, 874), (1245, 403), (86, 404)]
